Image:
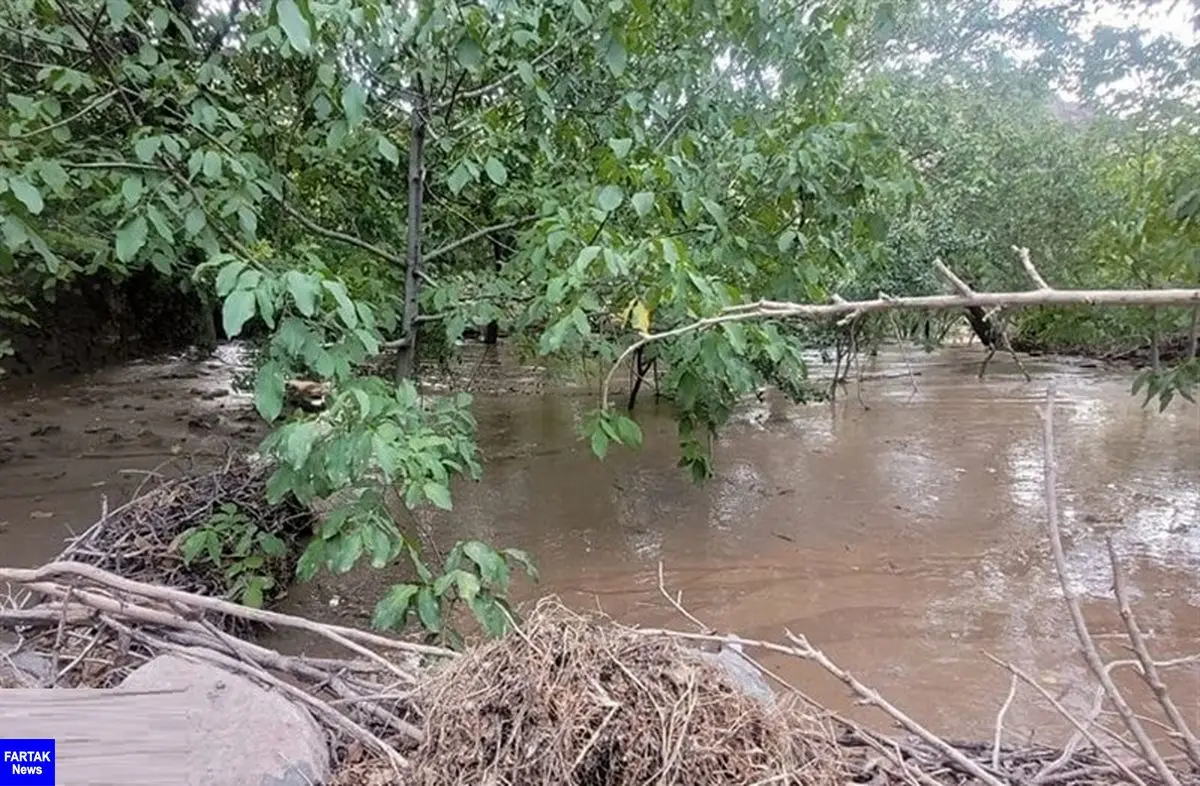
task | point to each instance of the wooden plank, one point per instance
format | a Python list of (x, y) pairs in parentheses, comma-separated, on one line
[(104, 737)]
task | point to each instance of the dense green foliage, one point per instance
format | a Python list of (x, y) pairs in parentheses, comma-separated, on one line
[(349, 173)]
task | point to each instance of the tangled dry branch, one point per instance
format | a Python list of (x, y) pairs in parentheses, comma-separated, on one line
[(103, 625)]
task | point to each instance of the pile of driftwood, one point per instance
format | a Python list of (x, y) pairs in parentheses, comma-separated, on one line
[(576, 699)]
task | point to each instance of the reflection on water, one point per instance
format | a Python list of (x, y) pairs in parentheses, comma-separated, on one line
[(905, 538)]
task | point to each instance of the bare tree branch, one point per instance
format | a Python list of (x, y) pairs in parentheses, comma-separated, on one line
[(1079, 725), (484, 232), (1027, 263)]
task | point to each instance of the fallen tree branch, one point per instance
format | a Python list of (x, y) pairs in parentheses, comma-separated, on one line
[(965, 298), (1086, 643), (870, 696), (1079, 726), (336, 633), (252, 670), (805, 651)]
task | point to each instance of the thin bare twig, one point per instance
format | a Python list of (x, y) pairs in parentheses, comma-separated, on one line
[(1012, 693), (870, 696), (1079, 725)]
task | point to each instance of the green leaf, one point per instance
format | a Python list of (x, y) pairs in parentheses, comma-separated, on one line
[(587, 255), (193, 545), (785, 241), (304, 290), (438, 494), (628, 431), (393, 607), (458, 179), (252, 596), (467, 584), (525, 560), (118, 11), (194, 221), (131, 190), (490, 615), (496, 171), (159, 222), (294, 25), (492, 566), (388, 150), (715, 210), (312, 558), (53, 175), (610, 198), (468, 53), (615, 57), (599, 443), (228, 277), (643, 202), (620, 146), (237, 311), (428, 610), (27, 193), (345, 306), (525, 71), (271, 545), (212, 164), (582, 13), (130, 238), (248, 221), (354, 101), (349, 549), (268, 390)]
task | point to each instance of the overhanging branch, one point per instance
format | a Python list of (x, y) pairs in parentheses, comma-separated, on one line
[(476, 235)]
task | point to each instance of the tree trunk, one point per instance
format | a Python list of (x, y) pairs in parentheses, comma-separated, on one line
[(491, 333), (406, 359), (982, 326)]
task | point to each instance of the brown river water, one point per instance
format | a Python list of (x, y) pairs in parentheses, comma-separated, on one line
[(902, 533)]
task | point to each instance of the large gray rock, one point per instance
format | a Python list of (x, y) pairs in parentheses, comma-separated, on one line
[(741, 672), (239, 734)]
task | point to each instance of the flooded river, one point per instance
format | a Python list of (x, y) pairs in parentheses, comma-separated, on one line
[(903, 534)]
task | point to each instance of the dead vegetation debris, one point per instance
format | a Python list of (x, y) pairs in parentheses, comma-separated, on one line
[(584, 702)]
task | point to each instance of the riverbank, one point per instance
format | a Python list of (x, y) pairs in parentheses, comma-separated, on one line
[(568, 697), (1138, 355)]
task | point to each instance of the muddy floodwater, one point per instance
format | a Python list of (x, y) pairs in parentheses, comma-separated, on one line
[(903, 534)]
